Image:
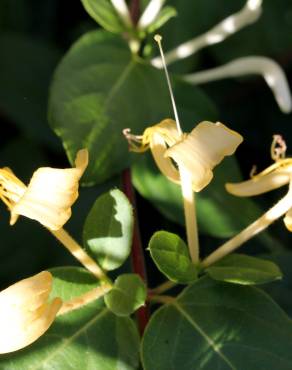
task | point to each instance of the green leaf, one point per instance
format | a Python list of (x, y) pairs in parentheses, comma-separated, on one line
[(171, 256), (127, 295), (99, 89), (163, 17), (281, 290), (108, 229), (215, 325), (245, 270), (103, 12), (90, 338)]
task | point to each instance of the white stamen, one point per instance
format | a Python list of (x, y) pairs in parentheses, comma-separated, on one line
[(158, 39)]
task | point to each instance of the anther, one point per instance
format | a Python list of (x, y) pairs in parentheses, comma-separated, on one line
[(278, 148)]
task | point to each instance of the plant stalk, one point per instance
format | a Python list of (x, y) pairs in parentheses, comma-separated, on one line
[(135, 10), (78, 252), (137, 254), (252, 230), (163, 287)]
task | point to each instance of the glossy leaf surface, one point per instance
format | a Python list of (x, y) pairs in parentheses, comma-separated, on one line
[(108, 229), (171, 256)]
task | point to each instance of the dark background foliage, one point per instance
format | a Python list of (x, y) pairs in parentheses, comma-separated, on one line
[(34, 35)]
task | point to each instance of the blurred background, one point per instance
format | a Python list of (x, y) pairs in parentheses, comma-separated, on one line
[(34, 35)]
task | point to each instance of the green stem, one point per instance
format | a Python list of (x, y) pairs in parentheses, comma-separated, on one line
[(75, 249), (165, 299), (163, 287), (255, 228)]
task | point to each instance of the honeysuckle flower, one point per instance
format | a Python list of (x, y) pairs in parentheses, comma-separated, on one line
[(273, 177), (49, 195), (197, 152), (26, 312)]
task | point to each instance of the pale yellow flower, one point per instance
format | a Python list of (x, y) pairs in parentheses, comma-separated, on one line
[(49, 195), (273, 177), (197, 152), (25, 312)]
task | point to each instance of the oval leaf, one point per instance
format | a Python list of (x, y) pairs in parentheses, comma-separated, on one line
[(90, 338), (127, 295), (103, 12), (171, 256), (245, 270), (214, 325), (108, 229)]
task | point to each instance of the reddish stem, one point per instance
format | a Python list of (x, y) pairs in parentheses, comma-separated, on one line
[(137, 255), (135, 10)]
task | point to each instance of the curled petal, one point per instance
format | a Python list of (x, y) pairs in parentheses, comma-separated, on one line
[(270, 70), (161, 137), (51, 193), (261, 183), (201, 150), (25, 313)]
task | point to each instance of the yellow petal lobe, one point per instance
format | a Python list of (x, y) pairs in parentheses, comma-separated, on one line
[(263, 182), (201, 150), (161, 137), (25, 313), (51, 193)]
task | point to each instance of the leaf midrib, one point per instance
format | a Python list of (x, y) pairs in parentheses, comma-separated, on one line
[(209, 340)]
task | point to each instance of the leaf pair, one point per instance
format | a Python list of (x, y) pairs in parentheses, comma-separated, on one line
[(171, 256)]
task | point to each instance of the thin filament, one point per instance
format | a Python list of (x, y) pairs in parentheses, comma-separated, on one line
[(158, 39)]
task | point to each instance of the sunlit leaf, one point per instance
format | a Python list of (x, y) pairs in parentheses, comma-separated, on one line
[(108, 229), (171, 256), (127, 295), (245, 270)]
